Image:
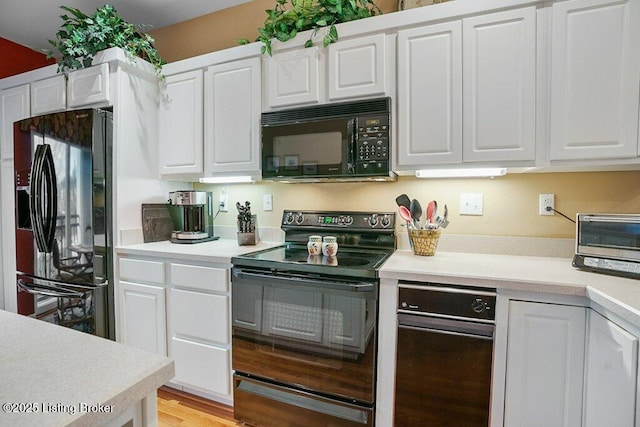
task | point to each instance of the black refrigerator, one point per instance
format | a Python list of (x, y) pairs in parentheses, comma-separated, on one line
[(64, 239)]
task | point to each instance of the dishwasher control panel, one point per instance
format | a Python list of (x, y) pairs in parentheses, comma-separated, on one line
[(447, 300)]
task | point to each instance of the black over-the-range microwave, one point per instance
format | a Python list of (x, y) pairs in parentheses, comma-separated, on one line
[(348, 141)]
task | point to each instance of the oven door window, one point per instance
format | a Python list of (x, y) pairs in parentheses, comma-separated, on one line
[(320, 339), (316, 149)]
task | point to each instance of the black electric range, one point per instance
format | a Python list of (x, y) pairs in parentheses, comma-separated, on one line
[(365, 241)]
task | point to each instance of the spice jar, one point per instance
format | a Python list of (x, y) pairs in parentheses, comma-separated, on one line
[(314, 246), (329, 246)]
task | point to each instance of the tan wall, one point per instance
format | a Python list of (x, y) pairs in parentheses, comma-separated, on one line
[(220, 30), (510, 202)]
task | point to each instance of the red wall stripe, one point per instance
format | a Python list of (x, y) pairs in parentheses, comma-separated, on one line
[(16, 59)]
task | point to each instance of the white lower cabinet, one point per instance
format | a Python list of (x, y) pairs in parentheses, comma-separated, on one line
[(144, 317), (202, 366), (181, 310), (199, 340), (610, 375), (545, 365)]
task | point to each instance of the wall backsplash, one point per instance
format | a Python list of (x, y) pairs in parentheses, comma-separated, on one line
[(510, 203)]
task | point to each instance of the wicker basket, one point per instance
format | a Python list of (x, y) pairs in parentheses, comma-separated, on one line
[(424, 241)]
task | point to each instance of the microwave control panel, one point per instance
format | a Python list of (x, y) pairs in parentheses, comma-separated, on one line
[(372, 144)]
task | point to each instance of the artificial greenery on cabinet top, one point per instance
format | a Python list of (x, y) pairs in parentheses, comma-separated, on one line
[(81, 36), (285, 20)]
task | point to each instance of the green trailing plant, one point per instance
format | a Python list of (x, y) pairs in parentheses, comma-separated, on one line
[(81, 36), (285, 20)]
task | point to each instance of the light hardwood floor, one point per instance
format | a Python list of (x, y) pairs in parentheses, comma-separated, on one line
[(176, 408)]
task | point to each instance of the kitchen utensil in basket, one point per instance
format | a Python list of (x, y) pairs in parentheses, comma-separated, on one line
[(424, 241)]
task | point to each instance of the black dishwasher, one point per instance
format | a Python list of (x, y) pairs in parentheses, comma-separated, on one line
[(444, 355)]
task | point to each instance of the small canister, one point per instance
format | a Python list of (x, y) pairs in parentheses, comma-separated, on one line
[(314, 246), (329, 246)]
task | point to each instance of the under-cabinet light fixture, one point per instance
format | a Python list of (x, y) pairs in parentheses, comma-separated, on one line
[(461, 173), (227, 179)]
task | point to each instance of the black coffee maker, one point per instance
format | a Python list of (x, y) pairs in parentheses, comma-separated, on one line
[(192, 214)]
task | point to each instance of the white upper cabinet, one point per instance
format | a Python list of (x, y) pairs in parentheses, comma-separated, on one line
[(611, 373), (356, 67), (88, 86), (48, 95), (466, 91), (595, 64), (292, 77), (430, 95), (232, 110), (499, 73), (352, 68), (545, 365), (14, 106), (181, 125)]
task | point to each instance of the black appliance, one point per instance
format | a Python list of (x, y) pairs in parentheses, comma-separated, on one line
[(304, 327), (348, 141), (444, 355), (63, 181), (608, 243)]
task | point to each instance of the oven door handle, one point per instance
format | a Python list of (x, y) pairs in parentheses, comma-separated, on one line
[(446, 326), (305, 281), (349, 413)]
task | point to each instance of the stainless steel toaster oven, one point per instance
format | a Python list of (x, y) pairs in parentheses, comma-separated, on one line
[(608, 243)]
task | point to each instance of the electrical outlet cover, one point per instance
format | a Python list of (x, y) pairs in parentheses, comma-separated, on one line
[(545, 201)]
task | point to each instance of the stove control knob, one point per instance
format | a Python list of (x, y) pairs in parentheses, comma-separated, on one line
[(386, 221), (288, 218), (299, 218), (348, 220), (373, 221)]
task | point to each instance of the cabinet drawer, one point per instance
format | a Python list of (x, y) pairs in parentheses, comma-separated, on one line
[(197, 277), (200, 365), (199, 315), (141, 270)]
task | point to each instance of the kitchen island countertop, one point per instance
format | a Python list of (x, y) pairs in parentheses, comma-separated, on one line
[(56, 376), (518, 273)]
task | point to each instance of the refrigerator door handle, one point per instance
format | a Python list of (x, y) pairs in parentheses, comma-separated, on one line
[(35, 203), (44, 207), (51, 207), (42, 289)]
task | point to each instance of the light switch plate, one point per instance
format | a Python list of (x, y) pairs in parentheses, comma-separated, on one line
[(470, 203), (267, 202)]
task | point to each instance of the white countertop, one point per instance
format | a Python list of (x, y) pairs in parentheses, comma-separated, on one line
[(218, 251), (514, 272), (521, 273), (61, 372)]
